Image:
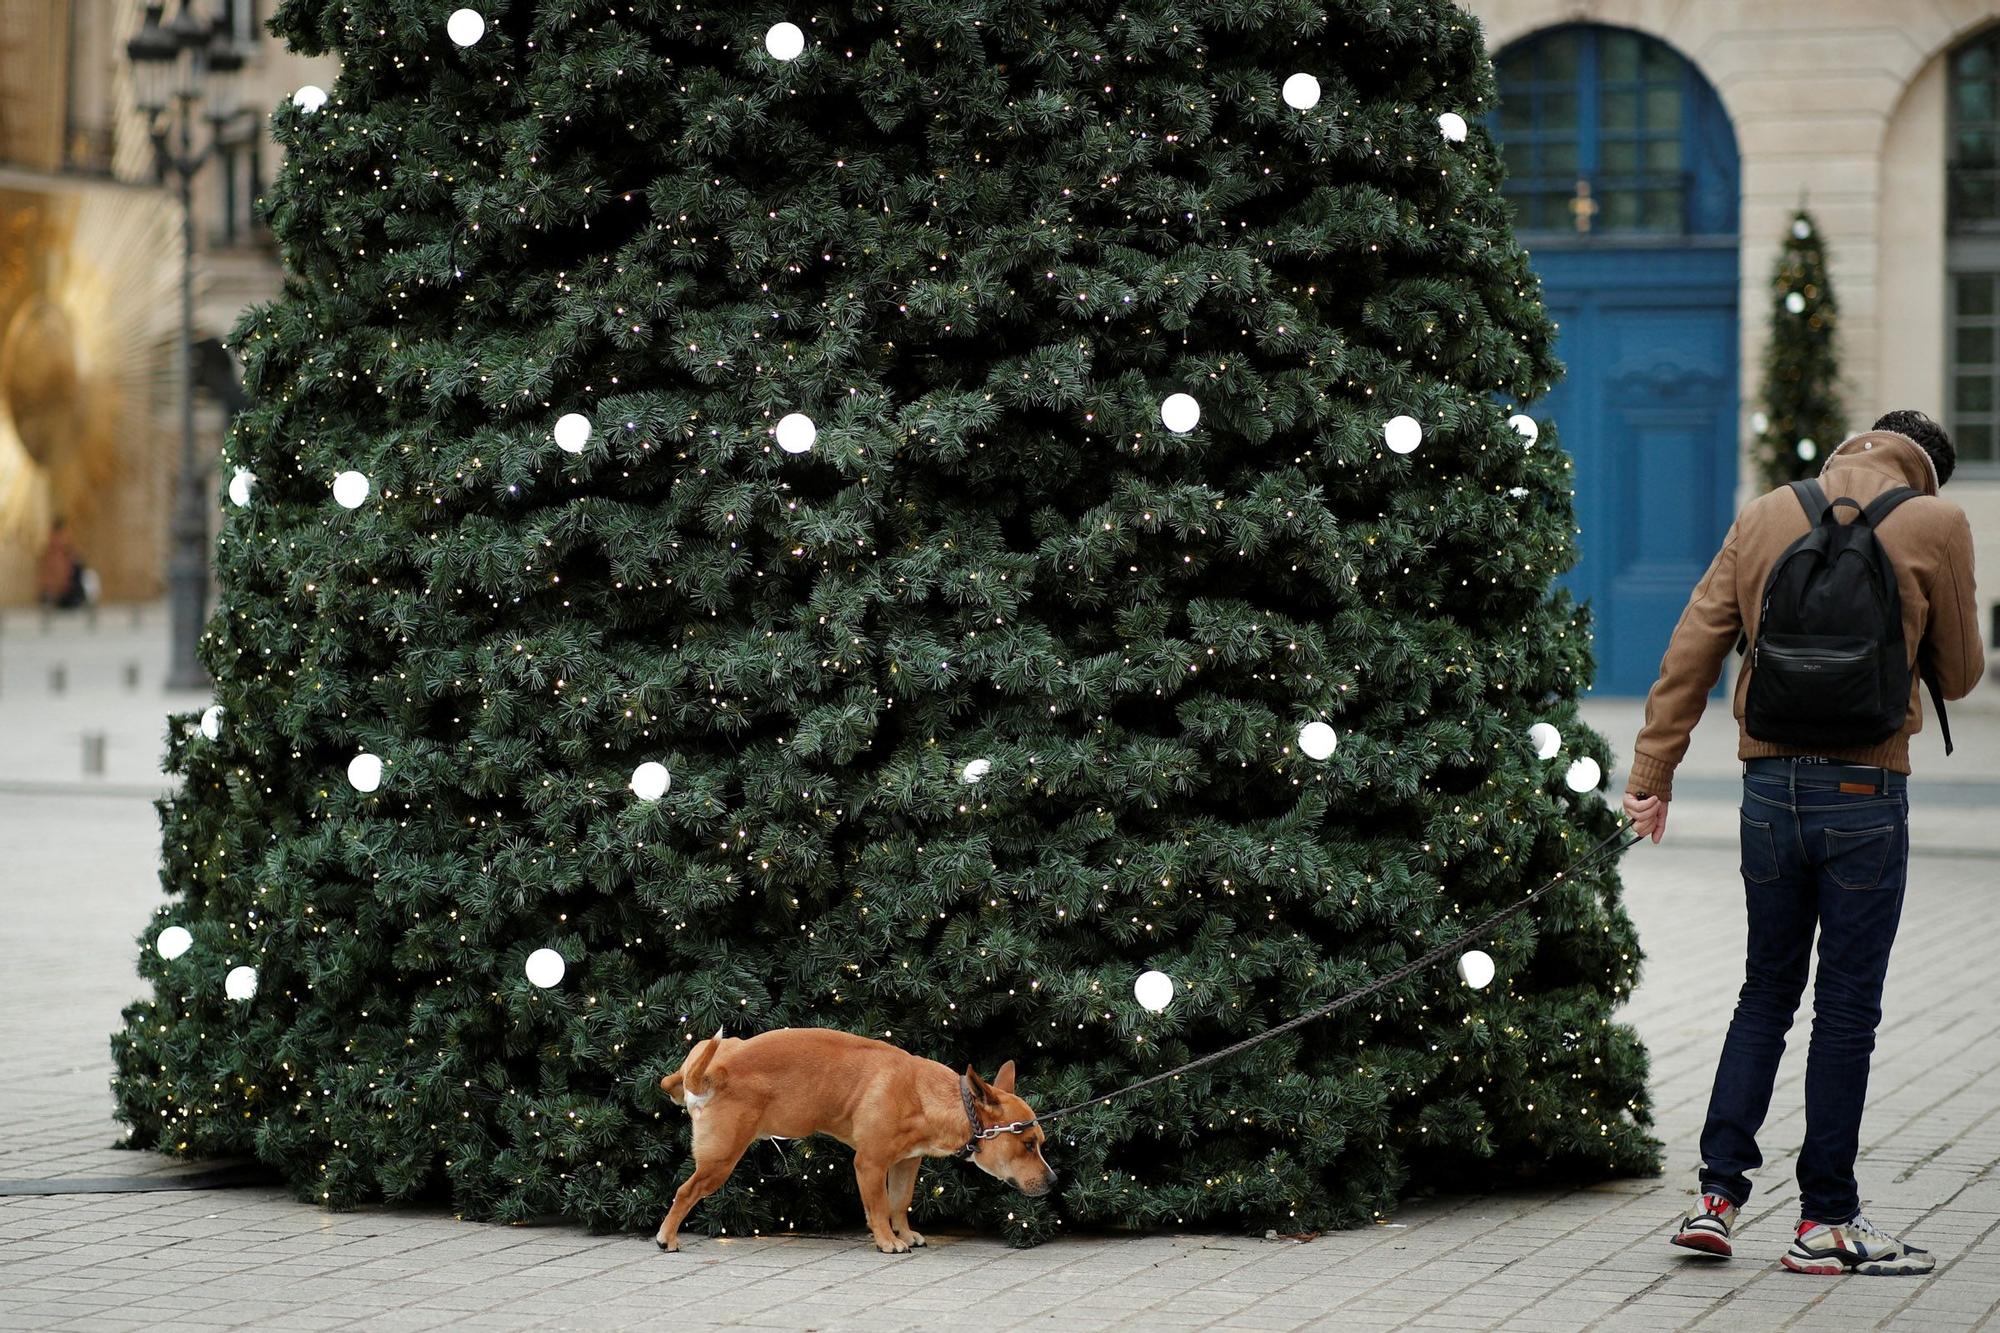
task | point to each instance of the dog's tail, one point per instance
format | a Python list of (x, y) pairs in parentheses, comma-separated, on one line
[(697, 1080)]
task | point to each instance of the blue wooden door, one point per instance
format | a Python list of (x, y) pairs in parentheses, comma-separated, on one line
[(1622, 173)]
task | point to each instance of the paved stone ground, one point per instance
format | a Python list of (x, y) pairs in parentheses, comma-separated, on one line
[(77, 878)]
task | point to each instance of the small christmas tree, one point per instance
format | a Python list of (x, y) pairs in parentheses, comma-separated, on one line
[(903, 517), (1801, 416)]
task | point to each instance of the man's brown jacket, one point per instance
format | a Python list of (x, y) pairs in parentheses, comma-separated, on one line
[(1927, 539)]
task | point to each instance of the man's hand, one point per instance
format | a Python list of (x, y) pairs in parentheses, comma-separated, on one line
[(1648, 815)]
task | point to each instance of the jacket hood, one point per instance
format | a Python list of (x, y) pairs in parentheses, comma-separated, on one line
[(1887, 454)]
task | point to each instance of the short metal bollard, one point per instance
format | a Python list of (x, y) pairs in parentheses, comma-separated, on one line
[(93, 753), (58, 678), (131, 675)]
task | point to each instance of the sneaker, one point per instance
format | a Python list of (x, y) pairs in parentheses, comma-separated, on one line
[(1853, 1247), (1707, 1228)]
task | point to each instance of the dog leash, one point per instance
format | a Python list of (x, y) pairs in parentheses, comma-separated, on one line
[(1612, 846)]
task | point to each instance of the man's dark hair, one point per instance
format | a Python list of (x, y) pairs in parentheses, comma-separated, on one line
[(1927, 433)]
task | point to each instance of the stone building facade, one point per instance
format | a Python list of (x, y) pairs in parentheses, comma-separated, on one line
[(1881, 116), (90, 265)]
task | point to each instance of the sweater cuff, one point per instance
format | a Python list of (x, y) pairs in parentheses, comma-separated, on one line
[(1651, 776)]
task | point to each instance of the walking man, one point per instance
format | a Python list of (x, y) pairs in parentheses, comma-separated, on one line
[(1825, 819)]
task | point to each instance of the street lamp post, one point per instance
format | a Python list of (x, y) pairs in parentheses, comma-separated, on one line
[(177, 66)]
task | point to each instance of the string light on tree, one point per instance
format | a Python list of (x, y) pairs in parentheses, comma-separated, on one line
[(785, 41), (545, 968), (1526, 427), (572, 432), (1475, 968), (1402, 434), (241, 983), (1546, 740), (350, 490), (173, 942), (465, 26), (1180, 413), (796, 432), (1301, 92), (309, 98), (650, 781), (1317, 740), (211, 722), (364, 772), (1453, 127), (1584, 775), (1154, 991)]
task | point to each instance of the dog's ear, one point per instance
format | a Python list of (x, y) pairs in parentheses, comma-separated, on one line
[(671, 1084), (1004, 1080), (982, 1091)]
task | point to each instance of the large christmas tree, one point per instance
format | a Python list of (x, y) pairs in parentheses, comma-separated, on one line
[(850, 530)]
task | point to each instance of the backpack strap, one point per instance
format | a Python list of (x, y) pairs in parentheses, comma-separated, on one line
[(1937, 697), (1885, 504), (1812, 498)]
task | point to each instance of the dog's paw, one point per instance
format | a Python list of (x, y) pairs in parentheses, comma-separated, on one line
[(916, 1239), (894, 1247), (668, 1246)]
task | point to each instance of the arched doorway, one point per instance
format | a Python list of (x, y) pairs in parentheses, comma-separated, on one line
[(1622, 172)]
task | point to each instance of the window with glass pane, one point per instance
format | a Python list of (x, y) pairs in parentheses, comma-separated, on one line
[(1975, 367), (1975, 136), (1601, 107)]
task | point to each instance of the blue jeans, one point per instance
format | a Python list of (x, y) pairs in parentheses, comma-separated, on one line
[(1814, 856)]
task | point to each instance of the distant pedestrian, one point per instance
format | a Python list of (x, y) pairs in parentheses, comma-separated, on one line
[(1825, 736), (63, 580)]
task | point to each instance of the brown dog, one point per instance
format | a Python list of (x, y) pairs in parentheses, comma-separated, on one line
[(893, 1108)]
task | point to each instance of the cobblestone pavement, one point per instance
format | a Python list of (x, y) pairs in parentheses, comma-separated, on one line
[(77, 878)]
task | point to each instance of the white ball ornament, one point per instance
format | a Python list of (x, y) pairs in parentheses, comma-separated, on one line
[(545, 967), (241, 983), (1179, 413), (1402, 434), (785, 41), (1154, 991), (350, 490), (1801, 228), (1795, 302), (650, 781), (1475, 968), (1317, 740), (211, 721), (1807, 449), (1452, 126), (796, 432), (1584, 775), (572, 432), (465, 26), (1546, 740), (975, 770), (364, 772), (173, 942), (1525, 426), (1301, 92), (1759, 422), (240, 487), (309, 98)]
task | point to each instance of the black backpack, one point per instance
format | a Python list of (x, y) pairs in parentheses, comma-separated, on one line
[(1830, 669)]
